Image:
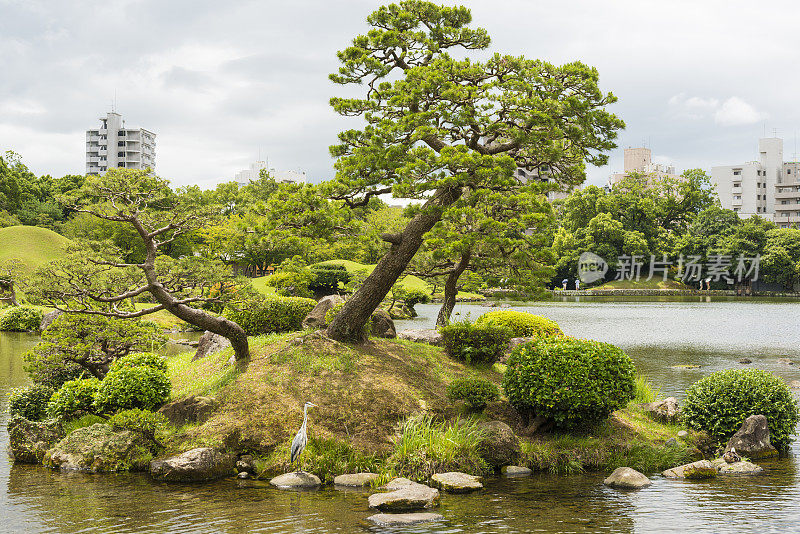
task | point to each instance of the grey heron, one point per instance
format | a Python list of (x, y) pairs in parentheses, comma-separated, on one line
[(301, 439)]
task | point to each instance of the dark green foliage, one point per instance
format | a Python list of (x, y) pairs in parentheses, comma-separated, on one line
[(475, 343), (415, 296), (20, 319), (30, 402), (152, 424), (266, 315), (75, 398), (720, 402), (326, 278), (475, 392), (521, 324), (132, 387), (140, 359), (573, 382), (291, 283), (54, 374)]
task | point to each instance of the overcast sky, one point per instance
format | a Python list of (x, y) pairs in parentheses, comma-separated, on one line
[(698, 81)]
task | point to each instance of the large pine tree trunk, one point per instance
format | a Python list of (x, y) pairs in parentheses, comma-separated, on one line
[(348, 325), (451, 289)]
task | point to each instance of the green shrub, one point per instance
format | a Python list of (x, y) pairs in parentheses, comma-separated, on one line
[(326, 278), (267, 315), (75, 397), (30, 402), (152, 424), (720, 402), (132, 387), (20, 319), (570, 381), (415, 296), (53, 374), (475, 343), (475, 392), (140, 359), (521, 324)]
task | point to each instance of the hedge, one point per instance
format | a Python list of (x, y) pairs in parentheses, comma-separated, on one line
[(266, 315)]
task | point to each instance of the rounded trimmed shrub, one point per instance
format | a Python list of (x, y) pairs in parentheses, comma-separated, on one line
[(267, 315), (30, 402), (74, 397), (522, 324), (140, 359), (326, 278), (573, 382), (475, 342), (21, 319), (475, 392), (132, 387), (151, 424), (720, 402)]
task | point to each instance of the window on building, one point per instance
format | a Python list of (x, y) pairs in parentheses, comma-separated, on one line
[(121, 133), (120, 154), (788, 171), (737, 173), (520, 172), (736, 210)]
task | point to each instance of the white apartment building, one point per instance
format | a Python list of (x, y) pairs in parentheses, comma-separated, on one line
[(640, 160), (113, 145), (254, 172), (768, 187), (541, 174)]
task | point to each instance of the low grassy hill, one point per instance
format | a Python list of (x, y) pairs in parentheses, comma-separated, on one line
[(32, 245), (655, 283)]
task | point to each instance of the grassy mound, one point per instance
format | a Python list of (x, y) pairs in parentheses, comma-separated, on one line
[(32, 245), (655, 283)]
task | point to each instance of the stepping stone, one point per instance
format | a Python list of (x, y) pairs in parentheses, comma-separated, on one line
[(407, 498), (512, 471), (627, 478), (693, 471), (297, 479), (737, 468), (387, 520), (355, 480), (455, 482)]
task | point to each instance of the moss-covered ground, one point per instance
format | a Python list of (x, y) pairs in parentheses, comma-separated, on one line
[(365, 394)]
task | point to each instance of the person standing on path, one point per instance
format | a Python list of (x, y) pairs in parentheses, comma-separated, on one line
[(564, 283), (577, 284)]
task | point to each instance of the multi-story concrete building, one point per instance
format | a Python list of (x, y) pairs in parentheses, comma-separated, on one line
[(113, 145), (768, 187), (542, 174), (254, 172), (640, 160)]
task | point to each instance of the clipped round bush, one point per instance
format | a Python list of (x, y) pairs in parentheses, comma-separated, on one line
[(266, 315), (20, 319), (720, 402), (573, 382), (521, 324), (327, 278), (475, 392), (152, 424), (132, 387), (415, 296), (30, 402), (475, 342), (140, 359), (74, 398)]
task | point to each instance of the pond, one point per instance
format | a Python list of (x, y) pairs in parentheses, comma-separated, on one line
[(713, 334)]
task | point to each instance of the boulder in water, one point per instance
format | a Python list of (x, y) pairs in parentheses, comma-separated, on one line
[(29, 440), (202, 463), (752, 439), (99, 449), (627, 478)]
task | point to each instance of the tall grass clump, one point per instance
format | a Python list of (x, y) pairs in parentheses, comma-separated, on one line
[(644, 391), (426, 447)]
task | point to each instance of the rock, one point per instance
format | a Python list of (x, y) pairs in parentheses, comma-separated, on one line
[(246, 464), (671, 442), (407, 498), (512, 471), (666, 410), (499, 445), (203, 463), (745, 361), (243, 475), (194, 409), (210, 343), (98, 448), (794, 384), (693, 471), (429, 336), (401, 311), (297, 479), (455, 482), (686, 366), (29, 440), (48, 319), (736, 468), (786, 361), (355, 480), (381, 325), (316, 317), (388, 520), (682, 434), (752, 439), (627, 478), (399, 483)]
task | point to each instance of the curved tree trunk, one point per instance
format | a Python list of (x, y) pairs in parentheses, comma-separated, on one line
[(348, 325), (451, 289), (193, 316)]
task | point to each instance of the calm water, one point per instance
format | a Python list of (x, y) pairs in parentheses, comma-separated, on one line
[(658, 335)]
